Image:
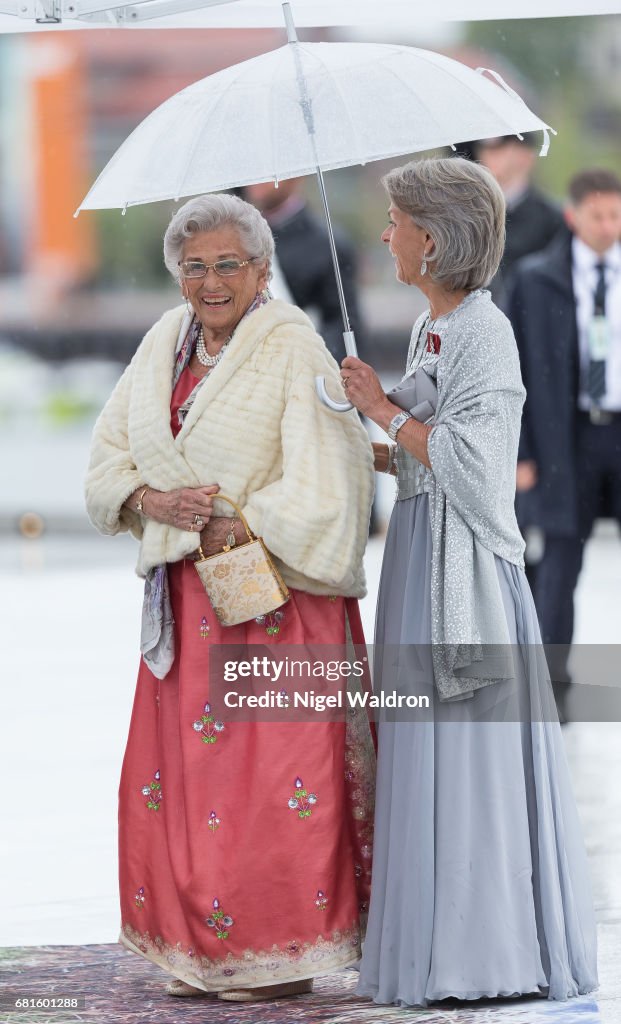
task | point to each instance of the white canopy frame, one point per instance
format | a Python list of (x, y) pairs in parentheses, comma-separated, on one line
[(264, 13)]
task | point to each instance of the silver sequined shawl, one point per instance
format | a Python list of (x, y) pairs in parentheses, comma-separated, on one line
[(473, 453)]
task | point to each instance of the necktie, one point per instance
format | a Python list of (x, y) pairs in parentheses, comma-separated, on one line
[(597, 367)]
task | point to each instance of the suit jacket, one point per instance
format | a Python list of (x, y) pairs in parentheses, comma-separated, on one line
[(542, 310), (531, 225), (303, 250)]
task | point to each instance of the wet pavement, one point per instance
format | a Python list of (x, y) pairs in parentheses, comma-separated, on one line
[(70, 622)]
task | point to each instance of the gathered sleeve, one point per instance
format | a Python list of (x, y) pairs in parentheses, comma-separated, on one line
[(315, 516), (112, 475)]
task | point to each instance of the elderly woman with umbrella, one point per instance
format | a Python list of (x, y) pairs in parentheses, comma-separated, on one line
[(244, 845), (480, 882)]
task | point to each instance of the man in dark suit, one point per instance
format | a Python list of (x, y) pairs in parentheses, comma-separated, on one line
[(304, 258), (532, 219), (565, 307)]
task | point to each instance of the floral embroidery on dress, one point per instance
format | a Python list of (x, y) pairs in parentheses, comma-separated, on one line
[(214, 822), (139, 898), (220, 921), (301, 801), (253, 966), (333, 598), (204, 628), (154, 792), (271, 621), (207, 726), (321, 900)]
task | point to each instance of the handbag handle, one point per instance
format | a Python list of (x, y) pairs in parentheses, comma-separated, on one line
[(240, 516)]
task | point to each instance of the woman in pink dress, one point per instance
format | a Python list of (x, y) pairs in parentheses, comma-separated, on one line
[(244, 845)]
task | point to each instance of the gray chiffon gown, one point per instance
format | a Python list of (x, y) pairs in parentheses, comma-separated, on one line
[(480, 881)]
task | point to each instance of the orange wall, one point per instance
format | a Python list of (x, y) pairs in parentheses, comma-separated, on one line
[(59, 246)]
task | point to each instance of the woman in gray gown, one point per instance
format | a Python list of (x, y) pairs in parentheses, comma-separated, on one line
[(480, 882)]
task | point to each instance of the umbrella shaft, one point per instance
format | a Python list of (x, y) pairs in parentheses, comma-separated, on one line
[(337, 270), (307, 109)]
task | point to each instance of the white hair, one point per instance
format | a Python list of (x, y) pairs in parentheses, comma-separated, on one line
[(462, 207), (209, 212)]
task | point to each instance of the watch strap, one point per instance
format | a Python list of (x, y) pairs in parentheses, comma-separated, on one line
[(397, 422)]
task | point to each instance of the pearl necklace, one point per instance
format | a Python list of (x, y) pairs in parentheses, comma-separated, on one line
[(203, 355)]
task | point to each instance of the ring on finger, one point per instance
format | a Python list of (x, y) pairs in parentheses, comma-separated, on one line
[(345, 381), (199, 521)]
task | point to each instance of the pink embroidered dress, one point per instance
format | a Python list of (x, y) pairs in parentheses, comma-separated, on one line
[(244, 847)]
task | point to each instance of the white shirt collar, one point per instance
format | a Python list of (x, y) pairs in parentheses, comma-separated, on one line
[(586, 259)]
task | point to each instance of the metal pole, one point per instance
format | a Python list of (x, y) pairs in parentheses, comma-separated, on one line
[(307, 109), (335, 259), (292, 38)]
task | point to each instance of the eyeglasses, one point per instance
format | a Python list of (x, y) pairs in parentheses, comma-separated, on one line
[(224, 268)]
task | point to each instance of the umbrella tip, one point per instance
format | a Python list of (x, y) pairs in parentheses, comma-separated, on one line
[(292, 36), (76, 214)]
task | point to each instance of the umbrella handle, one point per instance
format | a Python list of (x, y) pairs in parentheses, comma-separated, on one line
[(331, 403), (320, 382)]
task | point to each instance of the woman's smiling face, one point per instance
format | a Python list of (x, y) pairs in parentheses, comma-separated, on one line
[(407, 243), (220, 302)]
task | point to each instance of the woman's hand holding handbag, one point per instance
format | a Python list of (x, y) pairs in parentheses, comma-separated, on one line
[(241, 580)]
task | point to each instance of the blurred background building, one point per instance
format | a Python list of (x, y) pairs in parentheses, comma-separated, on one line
[(77, 295)]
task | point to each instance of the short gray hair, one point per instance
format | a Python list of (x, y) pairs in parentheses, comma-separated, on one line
[(209, 212), (461, 205)]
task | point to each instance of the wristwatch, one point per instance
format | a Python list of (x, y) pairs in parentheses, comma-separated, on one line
[(396, 423)]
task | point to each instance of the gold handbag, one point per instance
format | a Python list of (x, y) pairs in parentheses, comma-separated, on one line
[(241, 582)]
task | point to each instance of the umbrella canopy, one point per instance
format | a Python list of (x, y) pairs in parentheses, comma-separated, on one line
[(21, 15), (360, 102)]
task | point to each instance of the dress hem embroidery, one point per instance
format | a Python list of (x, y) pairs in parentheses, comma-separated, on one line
[(266, 967)]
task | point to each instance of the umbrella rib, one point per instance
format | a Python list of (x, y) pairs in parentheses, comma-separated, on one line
[(402, 81), (271, 95), (479, 99), (333, 79), (211, 107)]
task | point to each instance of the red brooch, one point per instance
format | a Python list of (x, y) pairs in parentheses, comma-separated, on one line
[(433, 343)]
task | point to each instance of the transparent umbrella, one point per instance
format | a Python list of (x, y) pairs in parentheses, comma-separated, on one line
[(305, 108)]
